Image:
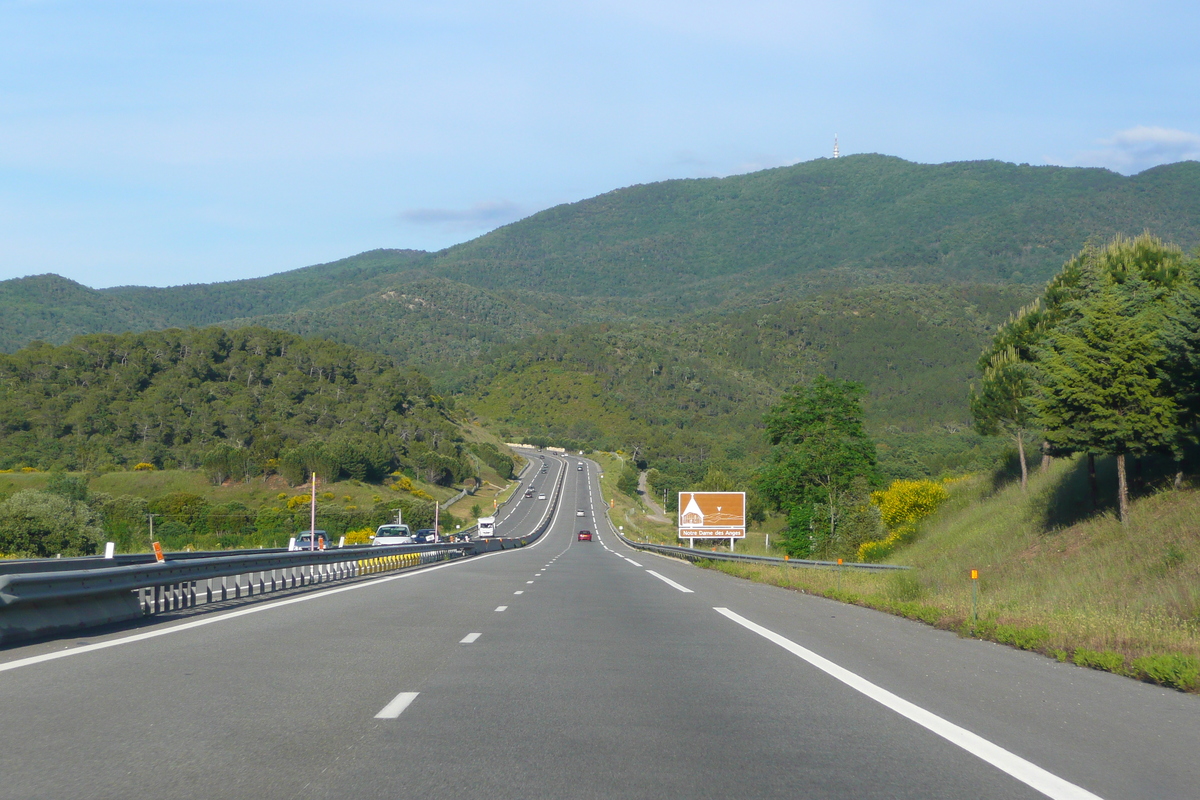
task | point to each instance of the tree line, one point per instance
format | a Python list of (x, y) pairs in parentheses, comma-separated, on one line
[(237, 403), (1105, 362)]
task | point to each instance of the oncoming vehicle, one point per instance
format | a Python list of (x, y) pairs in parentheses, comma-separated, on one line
[(585, 536), (305, 541), (392, 534), (487, 527)]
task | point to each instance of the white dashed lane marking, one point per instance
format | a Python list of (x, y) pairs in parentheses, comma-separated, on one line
[(470, 637), (398, 704), (670, 582)]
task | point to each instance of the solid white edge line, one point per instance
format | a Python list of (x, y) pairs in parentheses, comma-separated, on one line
[(1027, 772), (139, 637), (670, 582), (469, 638), (397, 706)]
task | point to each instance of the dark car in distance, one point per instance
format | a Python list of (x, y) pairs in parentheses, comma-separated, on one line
[(305, 541)]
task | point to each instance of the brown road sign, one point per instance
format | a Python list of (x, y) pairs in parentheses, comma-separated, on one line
[(712, 515)]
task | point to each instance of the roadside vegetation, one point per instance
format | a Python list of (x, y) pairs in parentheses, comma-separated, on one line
[(1092, 591)]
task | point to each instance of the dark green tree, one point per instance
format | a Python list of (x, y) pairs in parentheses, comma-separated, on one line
[(1000, 405), (820, 456), (36, 524), (1100, 378)]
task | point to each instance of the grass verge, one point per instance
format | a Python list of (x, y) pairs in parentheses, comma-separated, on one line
[(1093, 592)]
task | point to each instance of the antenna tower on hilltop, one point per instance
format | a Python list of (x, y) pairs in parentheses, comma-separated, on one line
[(836, 154)]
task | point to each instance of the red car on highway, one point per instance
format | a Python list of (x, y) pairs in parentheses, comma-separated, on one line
[(585, 536)]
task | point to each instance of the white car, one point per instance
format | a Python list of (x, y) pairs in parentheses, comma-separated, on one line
[(579, 512), (392, 534), (541, 497)]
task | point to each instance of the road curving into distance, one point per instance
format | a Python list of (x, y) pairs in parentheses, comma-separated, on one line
[(573, 669)]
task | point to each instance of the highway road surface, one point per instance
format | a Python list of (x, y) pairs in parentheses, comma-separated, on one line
[(572, 669)]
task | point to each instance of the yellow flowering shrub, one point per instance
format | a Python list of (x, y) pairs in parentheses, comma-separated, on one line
[(30, 469), (361, 536), (905, 502), (901, 506), (143, 466), (298, 500)]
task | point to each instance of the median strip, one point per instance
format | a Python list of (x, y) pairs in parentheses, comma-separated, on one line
[(1027, 772)]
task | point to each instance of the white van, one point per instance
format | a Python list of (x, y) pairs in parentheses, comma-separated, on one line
[(487, 527)]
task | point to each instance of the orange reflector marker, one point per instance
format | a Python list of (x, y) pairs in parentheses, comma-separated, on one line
[(158, 553), (974, 574)]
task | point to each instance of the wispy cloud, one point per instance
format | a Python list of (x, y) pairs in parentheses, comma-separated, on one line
[(1133, 150), (486, 215)]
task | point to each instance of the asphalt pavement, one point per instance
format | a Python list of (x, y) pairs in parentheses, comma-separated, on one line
[(571, 669)]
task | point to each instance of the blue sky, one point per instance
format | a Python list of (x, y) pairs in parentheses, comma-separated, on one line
[(161, 143)]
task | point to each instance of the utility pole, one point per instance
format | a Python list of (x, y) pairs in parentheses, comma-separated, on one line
[(312, 539), (152, 516)]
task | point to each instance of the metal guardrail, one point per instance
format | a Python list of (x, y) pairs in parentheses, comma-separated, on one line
[(63, 595), (693, 554), (30, 565), (36, 604)]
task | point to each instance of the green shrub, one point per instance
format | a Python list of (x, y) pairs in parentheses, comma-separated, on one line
[(1174, 670), (1033, 638), (1107, 660)]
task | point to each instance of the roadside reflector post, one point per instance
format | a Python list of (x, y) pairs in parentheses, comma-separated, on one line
[(839, 571), (158, 553), (109, 549), (974, 599)]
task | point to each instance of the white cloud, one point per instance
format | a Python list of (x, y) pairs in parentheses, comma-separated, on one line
[(486, 215), (1136, 149)]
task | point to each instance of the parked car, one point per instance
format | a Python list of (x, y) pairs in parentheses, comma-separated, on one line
[(392, 534), (305, 540), (585, 536)]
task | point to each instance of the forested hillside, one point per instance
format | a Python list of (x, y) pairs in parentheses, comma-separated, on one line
[(237, 402), (693, 391), (694, 243), (660, 250), (666, 318)]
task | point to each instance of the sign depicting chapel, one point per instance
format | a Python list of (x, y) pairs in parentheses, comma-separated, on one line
[(712, 515)]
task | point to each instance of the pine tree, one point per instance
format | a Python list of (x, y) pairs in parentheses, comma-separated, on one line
[(1000, 406), (1100, 377)]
